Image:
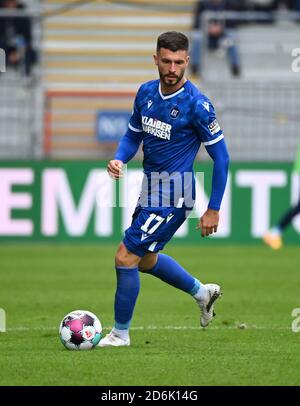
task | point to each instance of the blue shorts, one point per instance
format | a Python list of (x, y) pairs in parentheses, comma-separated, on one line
[(152, 228)]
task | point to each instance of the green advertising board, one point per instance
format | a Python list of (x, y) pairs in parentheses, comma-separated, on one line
[(77, 201)]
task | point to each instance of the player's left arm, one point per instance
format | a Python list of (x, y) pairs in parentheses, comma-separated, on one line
[(213, 139), (209, 222)]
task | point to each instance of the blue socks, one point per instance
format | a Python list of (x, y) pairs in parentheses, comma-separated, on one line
[(128, 286), (169, 271)]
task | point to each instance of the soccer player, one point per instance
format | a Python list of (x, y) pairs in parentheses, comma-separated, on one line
[(273, 238), (172, 118)]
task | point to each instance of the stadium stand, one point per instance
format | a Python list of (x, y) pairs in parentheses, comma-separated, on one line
[(20, 125), (94, 56), (108, 50), (104, 45), (21, 102)]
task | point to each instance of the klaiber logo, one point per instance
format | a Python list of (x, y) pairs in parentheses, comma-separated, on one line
[(156, 127)]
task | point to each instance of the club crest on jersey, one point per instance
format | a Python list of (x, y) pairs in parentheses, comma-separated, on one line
[(174, 112)]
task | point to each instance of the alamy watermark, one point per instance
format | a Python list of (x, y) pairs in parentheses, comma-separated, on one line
[(2, 61), (158, 189), (296, 61), (296, 321), (2, 321)]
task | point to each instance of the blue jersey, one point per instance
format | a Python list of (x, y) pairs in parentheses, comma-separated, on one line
[(172, 128)]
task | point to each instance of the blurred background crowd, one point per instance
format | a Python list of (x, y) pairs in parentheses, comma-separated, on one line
[(68, 63)]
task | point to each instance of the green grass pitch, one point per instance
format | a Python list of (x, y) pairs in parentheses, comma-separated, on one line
[(41, 283)]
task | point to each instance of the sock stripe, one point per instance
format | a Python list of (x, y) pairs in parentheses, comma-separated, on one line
[(122, 326), (195, 288)]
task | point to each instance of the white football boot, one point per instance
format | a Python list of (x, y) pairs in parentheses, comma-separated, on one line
[(112, 340), (207, 306), (273, 240)]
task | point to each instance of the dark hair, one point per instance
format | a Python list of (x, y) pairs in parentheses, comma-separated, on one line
[(172, 40)]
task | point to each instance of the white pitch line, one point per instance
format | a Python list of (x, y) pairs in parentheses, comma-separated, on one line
[(163, 328)]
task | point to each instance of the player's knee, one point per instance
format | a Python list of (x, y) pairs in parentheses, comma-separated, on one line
[(121, 259), (125, 258)]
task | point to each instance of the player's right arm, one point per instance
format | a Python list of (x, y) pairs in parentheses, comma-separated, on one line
[(114, 168), (129, 143)]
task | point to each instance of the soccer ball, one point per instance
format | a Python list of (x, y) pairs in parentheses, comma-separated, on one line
[(80, 330)]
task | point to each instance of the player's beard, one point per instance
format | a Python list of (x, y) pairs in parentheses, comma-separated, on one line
[(172, 81)]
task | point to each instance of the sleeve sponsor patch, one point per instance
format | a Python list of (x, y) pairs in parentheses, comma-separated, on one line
[(214, 127)]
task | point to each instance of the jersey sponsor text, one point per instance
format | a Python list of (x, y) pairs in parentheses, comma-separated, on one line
[(156, 127)]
